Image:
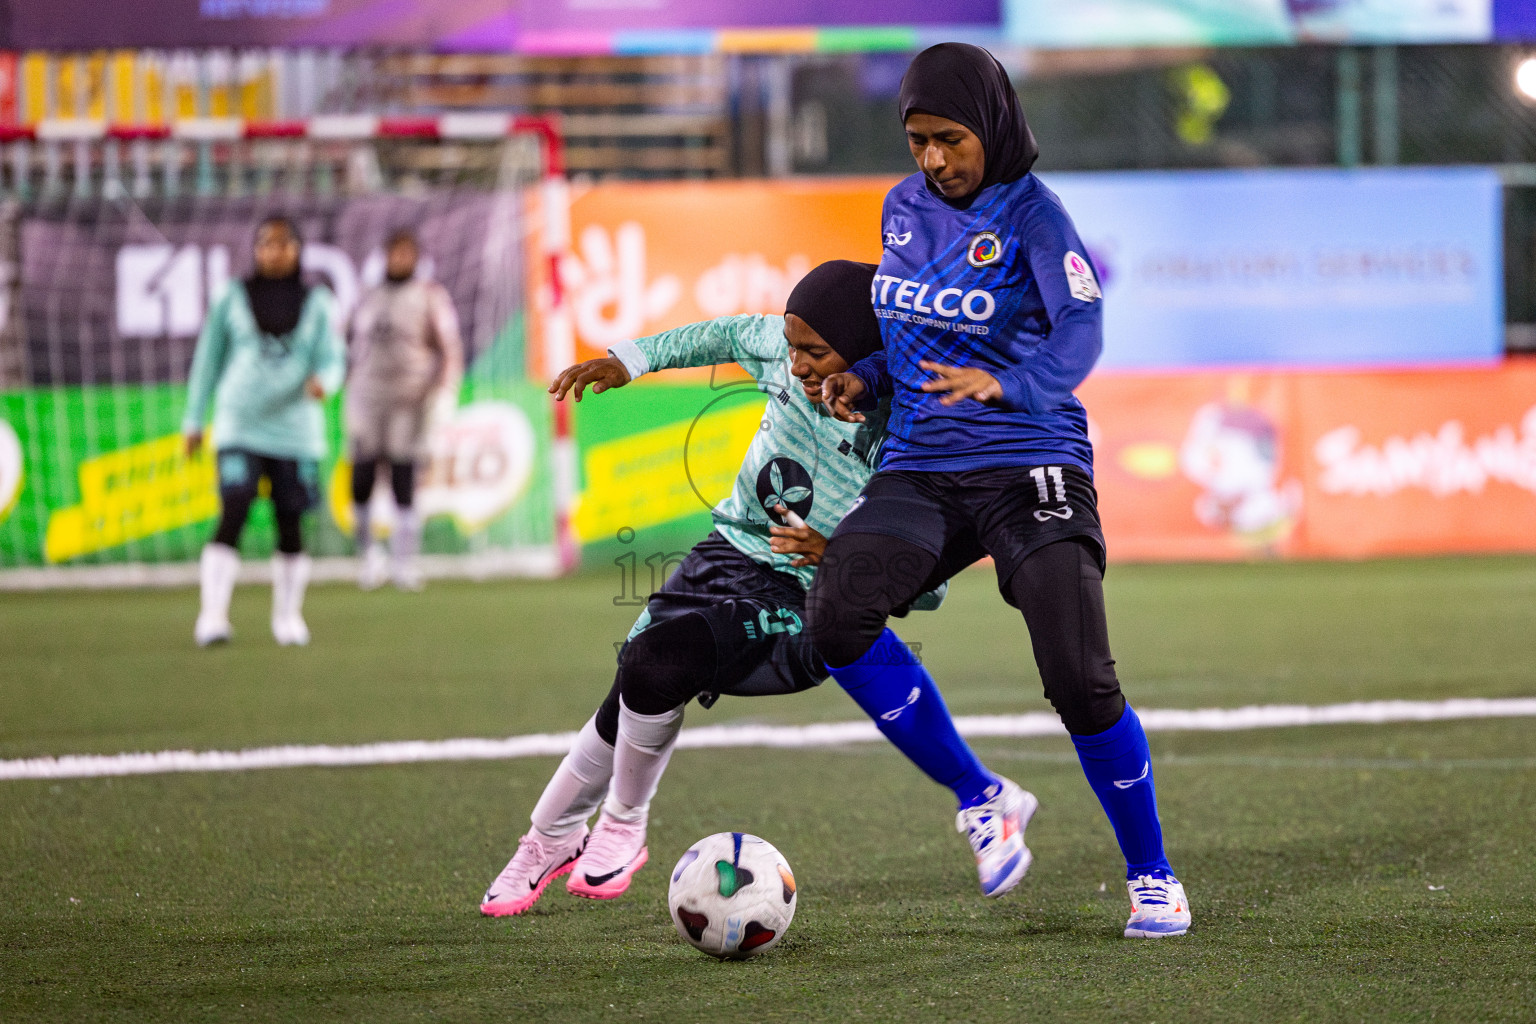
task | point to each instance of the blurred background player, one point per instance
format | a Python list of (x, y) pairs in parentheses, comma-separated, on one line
[(267, 355), (730, 620), (407, 358)]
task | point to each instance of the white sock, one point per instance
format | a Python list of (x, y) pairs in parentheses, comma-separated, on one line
[(290, 575), (217, 567), (639, 759), (577, 786), (405, 542)]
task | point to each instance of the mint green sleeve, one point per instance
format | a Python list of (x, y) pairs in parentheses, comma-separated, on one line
[(208, 360), (756, 342), (329, 357), (930, 601)]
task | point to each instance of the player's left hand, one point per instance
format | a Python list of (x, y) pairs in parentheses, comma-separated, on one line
[(313, 388), (796, 539), (598, 374), (962, 382)]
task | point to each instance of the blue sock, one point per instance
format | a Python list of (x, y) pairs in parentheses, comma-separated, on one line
[(896, 691), (1118, 764)]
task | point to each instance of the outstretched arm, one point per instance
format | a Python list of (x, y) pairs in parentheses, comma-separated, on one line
[(755, 342), (597, 374)]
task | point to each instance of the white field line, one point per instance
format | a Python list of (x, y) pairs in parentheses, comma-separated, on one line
[(831, 734)]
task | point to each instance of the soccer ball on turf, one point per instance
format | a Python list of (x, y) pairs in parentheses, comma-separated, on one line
[(732, 895)]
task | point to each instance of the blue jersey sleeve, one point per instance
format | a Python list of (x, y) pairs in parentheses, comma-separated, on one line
[(875, 372), (1070, 291)]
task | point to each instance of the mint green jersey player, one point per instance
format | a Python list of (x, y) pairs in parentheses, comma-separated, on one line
[(804, 459), (730, 619), (256, 382)]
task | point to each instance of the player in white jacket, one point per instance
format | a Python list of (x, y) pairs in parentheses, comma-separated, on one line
[(406, 357)]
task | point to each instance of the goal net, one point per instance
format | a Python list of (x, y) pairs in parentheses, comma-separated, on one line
[(112, 248)]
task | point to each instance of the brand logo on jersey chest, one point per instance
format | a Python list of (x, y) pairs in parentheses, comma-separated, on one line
[(785, 482), (985, 249)]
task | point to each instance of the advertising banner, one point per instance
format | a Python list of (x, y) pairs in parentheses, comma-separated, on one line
[(1230, 268), (111, 298), (1216, 466), (586, 16), (1197, 466), (648, 257), (92, 475), (461, 25), (1090, 23), (1514, 20), (1298, 268), (87, 24)]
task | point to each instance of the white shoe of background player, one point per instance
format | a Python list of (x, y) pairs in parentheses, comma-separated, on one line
[(290, 577), (406, 576), (375, 567), (218, 566)]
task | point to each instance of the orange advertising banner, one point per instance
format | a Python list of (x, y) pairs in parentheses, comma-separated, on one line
[(649, 257), (1319, 464), (1196, 465)]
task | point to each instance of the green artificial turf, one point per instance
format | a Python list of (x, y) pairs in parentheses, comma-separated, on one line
[(1336, 873)]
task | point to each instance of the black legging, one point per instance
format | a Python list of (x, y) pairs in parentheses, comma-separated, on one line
[(664, 667), (237, 508), (402, 480), (1059, 588)]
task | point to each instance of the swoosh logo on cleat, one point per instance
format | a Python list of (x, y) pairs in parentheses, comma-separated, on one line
[(600, 879), (1128, 783), (536, 882)]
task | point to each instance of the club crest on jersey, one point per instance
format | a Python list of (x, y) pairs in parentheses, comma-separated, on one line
[(1080, 280), (985, 249)]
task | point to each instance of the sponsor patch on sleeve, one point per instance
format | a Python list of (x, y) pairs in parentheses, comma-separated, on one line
[(1080, 280)]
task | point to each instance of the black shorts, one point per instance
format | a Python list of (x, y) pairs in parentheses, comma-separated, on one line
[(757, 616), (1008, 513), (294, 483)]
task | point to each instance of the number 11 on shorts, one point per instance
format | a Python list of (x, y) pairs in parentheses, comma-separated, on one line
[(1039, 473)]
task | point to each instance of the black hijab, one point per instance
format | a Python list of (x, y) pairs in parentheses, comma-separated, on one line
[(966, 84), (278, 302), (834, 299)]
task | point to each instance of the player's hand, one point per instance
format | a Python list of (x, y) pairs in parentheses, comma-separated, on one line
[(194, 443), (839, 392), (962, 382), (599, 374), (796, 539), (313, 388)]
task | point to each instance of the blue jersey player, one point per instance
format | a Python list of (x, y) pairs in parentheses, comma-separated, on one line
[(991, 316), (729, 620)]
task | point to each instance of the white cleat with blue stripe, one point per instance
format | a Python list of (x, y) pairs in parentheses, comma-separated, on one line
[(1159, 908), (996, 831)]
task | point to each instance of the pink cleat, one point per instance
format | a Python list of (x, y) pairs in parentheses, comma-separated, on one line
[(616, 852), (539, 860)]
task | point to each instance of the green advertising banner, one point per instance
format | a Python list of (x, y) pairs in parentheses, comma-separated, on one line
[(98, 475)]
